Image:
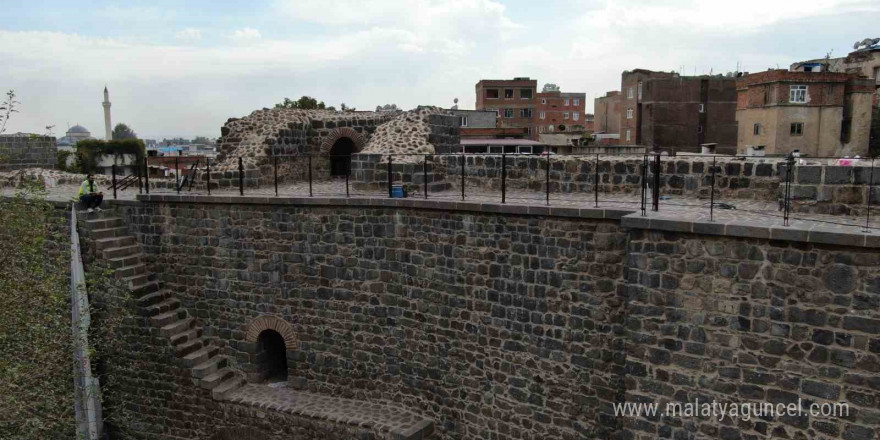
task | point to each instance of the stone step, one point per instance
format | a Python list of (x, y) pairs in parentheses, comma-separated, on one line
[(233, 383), (145, 288), (103, 223), (138, 280), (154, 298), (163, 319), (122, 251), (214, 379), (168, 305), (188, 347), (210, 366), (177, 327), (130, 271), (126, 260), (120, 231), (200, 355), (189, 334), (114, 242)]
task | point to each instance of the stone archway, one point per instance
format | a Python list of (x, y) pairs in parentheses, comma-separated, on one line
[(339, 145), (272, 338), (359, 140), (271, 323)]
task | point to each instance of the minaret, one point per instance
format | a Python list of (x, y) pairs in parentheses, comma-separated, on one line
[(108, 129)]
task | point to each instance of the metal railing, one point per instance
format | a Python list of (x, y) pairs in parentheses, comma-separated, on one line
[(514, 178)]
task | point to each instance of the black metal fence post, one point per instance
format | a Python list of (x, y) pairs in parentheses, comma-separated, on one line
[(656, 193), (596, 182), (310, 175), (347, 178), (140, 182), (712, 194), (390, 177), (113, 172), (789, 175), (462, 176), (870, 190), (209, 175), (644, 201), (503, 178), (275, 173), (147, 175), (177, 173), (425, 174), (547, 180), (240, 176)]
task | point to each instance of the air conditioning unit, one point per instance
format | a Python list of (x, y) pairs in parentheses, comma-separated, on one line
[(755, 150)]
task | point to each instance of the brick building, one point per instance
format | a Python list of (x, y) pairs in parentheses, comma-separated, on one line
[(514, 100), (560, 111), (864, 61), (818, 113), (607, 114), (666, 111)]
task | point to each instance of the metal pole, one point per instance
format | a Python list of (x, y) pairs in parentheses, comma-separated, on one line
[(140, 182), (503, 178), (390, 178), (209, 175), (347, 178), (644, 185), (275, 170), (656, 192), (425, 175), (596, 181), (147, 175), (177, 173), (547, 179), (240, 176), (712, 195), (870, 190), (113, 171), (462, 176), (310, 175), (789, 172)]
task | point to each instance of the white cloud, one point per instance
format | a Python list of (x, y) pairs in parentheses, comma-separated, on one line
[(189, 34), (246, 34)]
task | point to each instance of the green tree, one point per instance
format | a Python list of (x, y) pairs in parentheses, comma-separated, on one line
[(304, 103), (7, 108), (123, 131), (202, 140)]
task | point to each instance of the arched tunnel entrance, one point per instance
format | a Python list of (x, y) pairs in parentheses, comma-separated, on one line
[(271, 357), (340, 156)]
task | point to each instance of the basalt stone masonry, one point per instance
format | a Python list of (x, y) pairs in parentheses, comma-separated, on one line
[(27, 151), (517, 322)]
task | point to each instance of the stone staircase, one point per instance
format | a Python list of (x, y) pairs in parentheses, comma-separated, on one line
[(120, 250)]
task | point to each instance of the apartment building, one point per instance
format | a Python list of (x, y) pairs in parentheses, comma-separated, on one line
[(863, 61), (560, 111), (815, 112), (513, 100)]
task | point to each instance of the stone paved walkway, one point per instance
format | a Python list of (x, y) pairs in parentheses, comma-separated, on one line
[(685, 208), (390, 422)]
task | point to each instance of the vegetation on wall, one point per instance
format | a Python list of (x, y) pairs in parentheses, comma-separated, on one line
[(304, 103), (89, 152)]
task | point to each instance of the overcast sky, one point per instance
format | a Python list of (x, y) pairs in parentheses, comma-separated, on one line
[(177, 69)]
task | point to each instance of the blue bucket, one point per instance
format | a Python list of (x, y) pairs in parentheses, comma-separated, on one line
[(397, 192)]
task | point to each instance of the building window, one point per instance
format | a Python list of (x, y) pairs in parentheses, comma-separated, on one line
[(797, 128), (508, 93), (462, 121), (640, 90), (629, 113), (628, 137), (543, 100), (629, 93), (508, 113), (577, 102), (565, 115), (525, 93), (566, 101), (797, 94), (877, 74), (576, 116), (757, 129), (699, 129), (492, 93), (542, 115), (550, 128), (702, 108), (525, 113)]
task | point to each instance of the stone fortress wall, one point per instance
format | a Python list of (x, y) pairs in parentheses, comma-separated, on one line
[(522, 325), (27, 151)]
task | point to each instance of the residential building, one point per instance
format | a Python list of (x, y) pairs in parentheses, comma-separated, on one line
[(817, 113), (513, 100), (670, 112), (864, 61), (590, 122), (559, 111), (607, 113), (476, 118)]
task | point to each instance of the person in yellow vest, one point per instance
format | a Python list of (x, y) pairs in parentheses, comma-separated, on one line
[(89, 194)]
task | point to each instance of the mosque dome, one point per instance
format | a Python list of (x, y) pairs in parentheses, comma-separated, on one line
[(78, 129)]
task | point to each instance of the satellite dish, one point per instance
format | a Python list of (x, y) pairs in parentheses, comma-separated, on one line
[(455, 101), (856, 46)]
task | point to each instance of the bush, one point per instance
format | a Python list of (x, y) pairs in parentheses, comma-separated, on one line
[(88, 152)]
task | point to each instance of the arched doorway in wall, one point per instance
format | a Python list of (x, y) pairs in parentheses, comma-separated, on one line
[(271, 356), (340, 156)]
